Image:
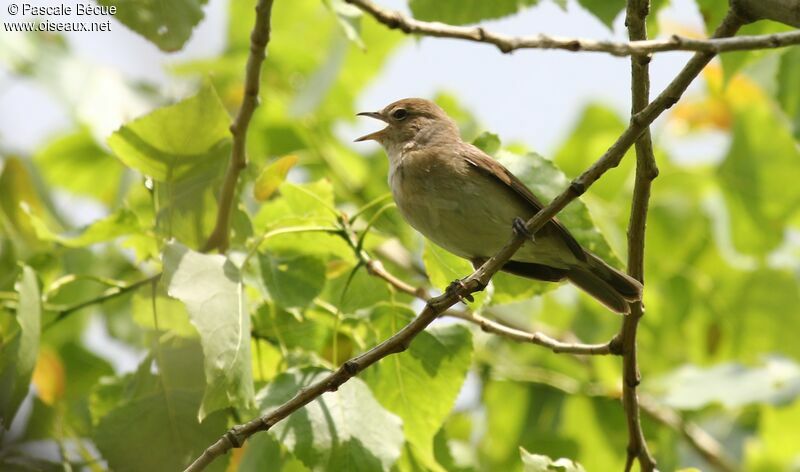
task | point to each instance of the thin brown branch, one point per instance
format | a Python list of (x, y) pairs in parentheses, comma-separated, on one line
[(374, 266), (111, 293), (220, 237), (705, 444), (538, 338), (397, 20), (477, 280), (646, 172)]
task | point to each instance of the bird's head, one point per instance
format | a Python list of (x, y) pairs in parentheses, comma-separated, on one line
[(412, 119)]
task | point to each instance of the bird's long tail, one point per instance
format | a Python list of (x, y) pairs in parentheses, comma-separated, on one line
[(609, 286)]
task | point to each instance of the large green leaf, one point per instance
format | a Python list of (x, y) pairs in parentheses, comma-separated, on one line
[(18, 358), (460, 12), (156, 410), (212, 289), (169, 143), (421, 384), (183, 147), (168, 25), (342, 430)]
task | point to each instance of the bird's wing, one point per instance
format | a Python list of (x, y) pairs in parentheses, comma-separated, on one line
[(490, 167)]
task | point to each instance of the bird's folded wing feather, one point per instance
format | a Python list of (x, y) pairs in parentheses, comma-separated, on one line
[(490, 167)]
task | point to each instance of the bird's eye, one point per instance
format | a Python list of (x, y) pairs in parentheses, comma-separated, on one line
[(399, 114)]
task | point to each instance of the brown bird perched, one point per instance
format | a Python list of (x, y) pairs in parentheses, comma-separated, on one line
[(469, 204)]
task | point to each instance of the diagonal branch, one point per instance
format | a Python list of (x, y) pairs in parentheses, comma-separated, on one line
[(646, 172), (259, 38), (375, 268), (397, 20), (400, 341)]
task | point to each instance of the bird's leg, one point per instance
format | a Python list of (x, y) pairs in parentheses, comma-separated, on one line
[(453, 288), (521, 229)]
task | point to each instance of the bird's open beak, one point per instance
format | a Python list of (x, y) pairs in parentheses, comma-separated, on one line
[(377, 134)]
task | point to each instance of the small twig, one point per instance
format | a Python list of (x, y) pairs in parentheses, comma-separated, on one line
[(541, 339), (396, 20), (705, 444), (259, 38), (374, 266), (111, 293)]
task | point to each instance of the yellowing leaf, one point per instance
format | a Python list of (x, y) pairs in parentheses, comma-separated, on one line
[(272, 176), (715, 109), (49, 376)]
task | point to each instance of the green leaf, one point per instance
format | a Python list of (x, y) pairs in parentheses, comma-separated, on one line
[(605, 10), (120, 223), (487, 142), (212, 289), (159, 411), (280, 327), (18, 357), (293, 280), (788, 91), (761, 196), (272, 176), (298, 203), (342, 430), (778, 435), (184, 148), (165, 313), (459, 12), (76, 162), (170, 142), (731, 385), (546, 181), (18, 199), (168, 25), (539, 463), (421, 384), (443, 268)]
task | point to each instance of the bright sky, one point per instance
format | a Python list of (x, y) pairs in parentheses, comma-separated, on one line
[(532, 96)]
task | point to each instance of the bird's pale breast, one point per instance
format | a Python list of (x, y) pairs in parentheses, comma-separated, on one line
[(465, 211)]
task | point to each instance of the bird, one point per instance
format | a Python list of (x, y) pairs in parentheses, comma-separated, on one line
[(468, 203)]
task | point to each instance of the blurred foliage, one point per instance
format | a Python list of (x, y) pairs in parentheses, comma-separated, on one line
[(221, 337)]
